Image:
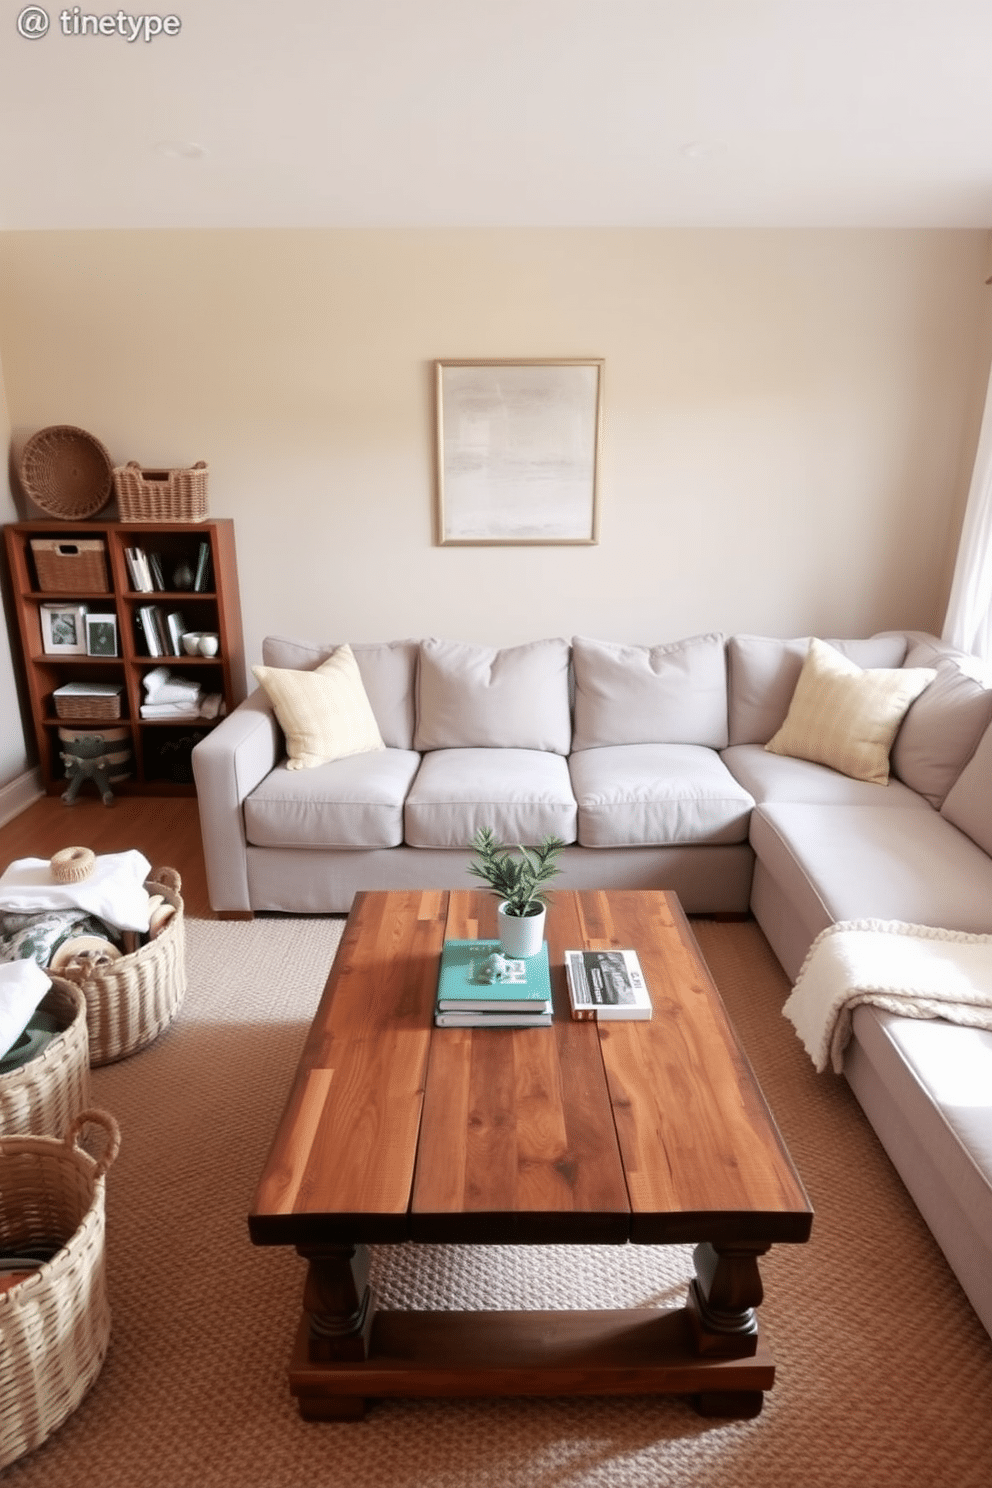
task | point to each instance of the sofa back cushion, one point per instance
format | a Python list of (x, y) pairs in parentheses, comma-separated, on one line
[(388, 670), (940, 733), (763, 672), (478, 697), (666, 694), (846, 716), (325, 713), (968, 805)]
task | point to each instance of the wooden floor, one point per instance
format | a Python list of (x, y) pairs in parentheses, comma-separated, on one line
[(165, 829)]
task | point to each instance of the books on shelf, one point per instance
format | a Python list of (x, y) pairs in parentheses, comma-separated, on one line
[(138, 570), (467, 998), (202, 580), (152, 629), (162, 631), (177, 628), (607, 985)]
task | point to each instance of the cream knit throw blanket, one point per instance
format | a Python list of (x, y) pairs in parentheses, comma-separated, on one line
[(912, 970)]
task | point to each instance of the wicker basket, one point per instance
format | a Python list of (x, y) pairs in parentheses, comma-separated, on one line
[(130, 1001), (88, 705), (54, 1325), (66, 472), (161, 495), (41, 1097), (68, 564)]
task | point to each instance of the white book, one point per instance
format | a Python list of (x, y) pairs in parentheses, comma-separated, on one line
[(607, 985), (137, 563), (493, 1020)]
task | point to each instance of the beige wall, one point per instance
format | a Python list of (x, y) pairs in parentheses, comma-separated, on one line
[(790, 417)]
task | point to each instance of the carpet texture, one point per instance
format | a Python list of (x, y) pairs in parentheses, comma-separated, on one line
[(884, 1372)]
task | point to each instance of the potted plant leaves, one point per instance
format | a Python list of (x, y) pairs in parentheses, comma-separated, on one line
[(518, 880)]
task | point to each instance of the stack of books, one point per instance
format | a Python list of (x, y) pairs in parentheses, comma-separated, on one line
[(607, 985), (521, 998)]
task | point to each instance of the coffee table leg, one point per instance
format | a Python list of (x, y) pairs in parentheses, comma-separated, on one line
[(339, 1307), (338, 1301), (721, 1305)]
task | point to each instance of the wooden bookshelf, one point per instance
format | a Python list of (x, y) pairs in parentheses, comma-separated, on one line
[(160, 748)]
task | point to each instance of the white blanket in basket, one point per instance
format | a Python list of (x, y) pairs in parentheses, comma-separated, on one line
[(912, 970)]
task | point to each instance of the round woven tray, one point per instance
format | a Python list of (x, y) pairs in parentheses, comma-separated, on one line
[(67, 472), (55, 1325)]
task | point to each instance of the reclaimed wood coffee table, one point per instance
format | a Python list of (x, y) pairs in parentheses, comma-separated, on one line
[(583, 1133)]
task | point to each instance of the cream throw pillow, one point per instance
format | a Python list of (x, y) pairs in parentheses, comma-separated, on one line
[(325, 714), (847, 717)]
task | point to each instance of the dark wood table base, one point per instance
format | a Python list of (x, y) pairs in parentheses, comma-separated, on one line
[(348, 1351)]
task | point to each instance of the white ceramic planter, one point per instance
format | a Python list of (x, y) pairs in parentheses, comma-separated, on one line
[(521, 935)]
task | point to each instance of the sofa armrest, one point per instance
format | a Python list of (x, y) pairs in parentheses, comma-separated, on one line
[(227, 766)]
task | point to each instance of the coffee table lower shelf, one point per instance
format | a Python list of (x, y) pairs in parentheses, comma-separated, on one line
[(558, 1353)]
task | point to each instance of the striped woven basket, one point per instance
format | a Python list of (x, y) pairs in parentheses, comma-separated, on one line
[(55, 1324), (43, 1096), (130, 1001)]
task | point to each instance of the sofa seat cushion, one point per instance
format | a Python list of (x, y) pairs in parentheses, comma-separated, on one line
[(644, 795), (350, 803), (524, 795), (953, 1065), (780, 777), (926, 1086), (836, 862)]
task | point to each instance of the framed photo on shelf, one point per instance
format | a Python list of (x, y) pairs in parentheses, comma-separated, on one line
[(518, 451), (63, 629), (101, 635)]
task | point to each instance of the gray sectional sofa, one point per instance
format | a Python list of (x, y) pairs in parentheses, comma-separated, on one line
[(651, 763)]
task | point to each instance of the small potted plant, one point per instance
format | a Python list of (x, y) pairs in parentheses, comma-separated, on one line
[(518, 882)]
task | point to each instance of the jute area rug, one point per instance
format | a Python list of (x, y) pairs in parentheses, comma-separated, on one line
[(884, 1373)]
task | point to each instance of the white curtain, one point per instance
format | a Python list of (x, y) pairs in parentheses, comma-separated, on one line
[(968, 624)]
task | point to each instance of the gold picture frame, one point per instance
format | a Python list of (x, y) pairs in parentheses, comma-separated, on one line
[(518, 451)]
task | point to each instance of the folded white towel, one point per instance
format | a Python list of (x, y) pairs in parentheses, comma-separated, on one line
[(22, 986), (113, 892), (913, 970)]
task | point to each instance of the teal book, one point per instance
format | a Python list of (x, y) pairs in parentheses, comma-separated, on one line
[(462, 987)]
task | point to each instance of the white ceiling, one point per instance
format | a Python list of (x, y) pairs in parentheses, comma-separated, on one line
[(504, 112)]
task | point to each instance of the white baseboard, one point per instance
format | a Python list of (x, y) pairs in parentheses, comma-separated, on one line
[(18, 794)]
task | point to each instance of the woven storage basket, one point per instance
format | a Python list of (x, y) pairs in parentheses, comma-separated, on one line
[(66, 472), (43, 1096), (64, 564), (54, 1325), (129, 1002), (104, 706), (161, 495)]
